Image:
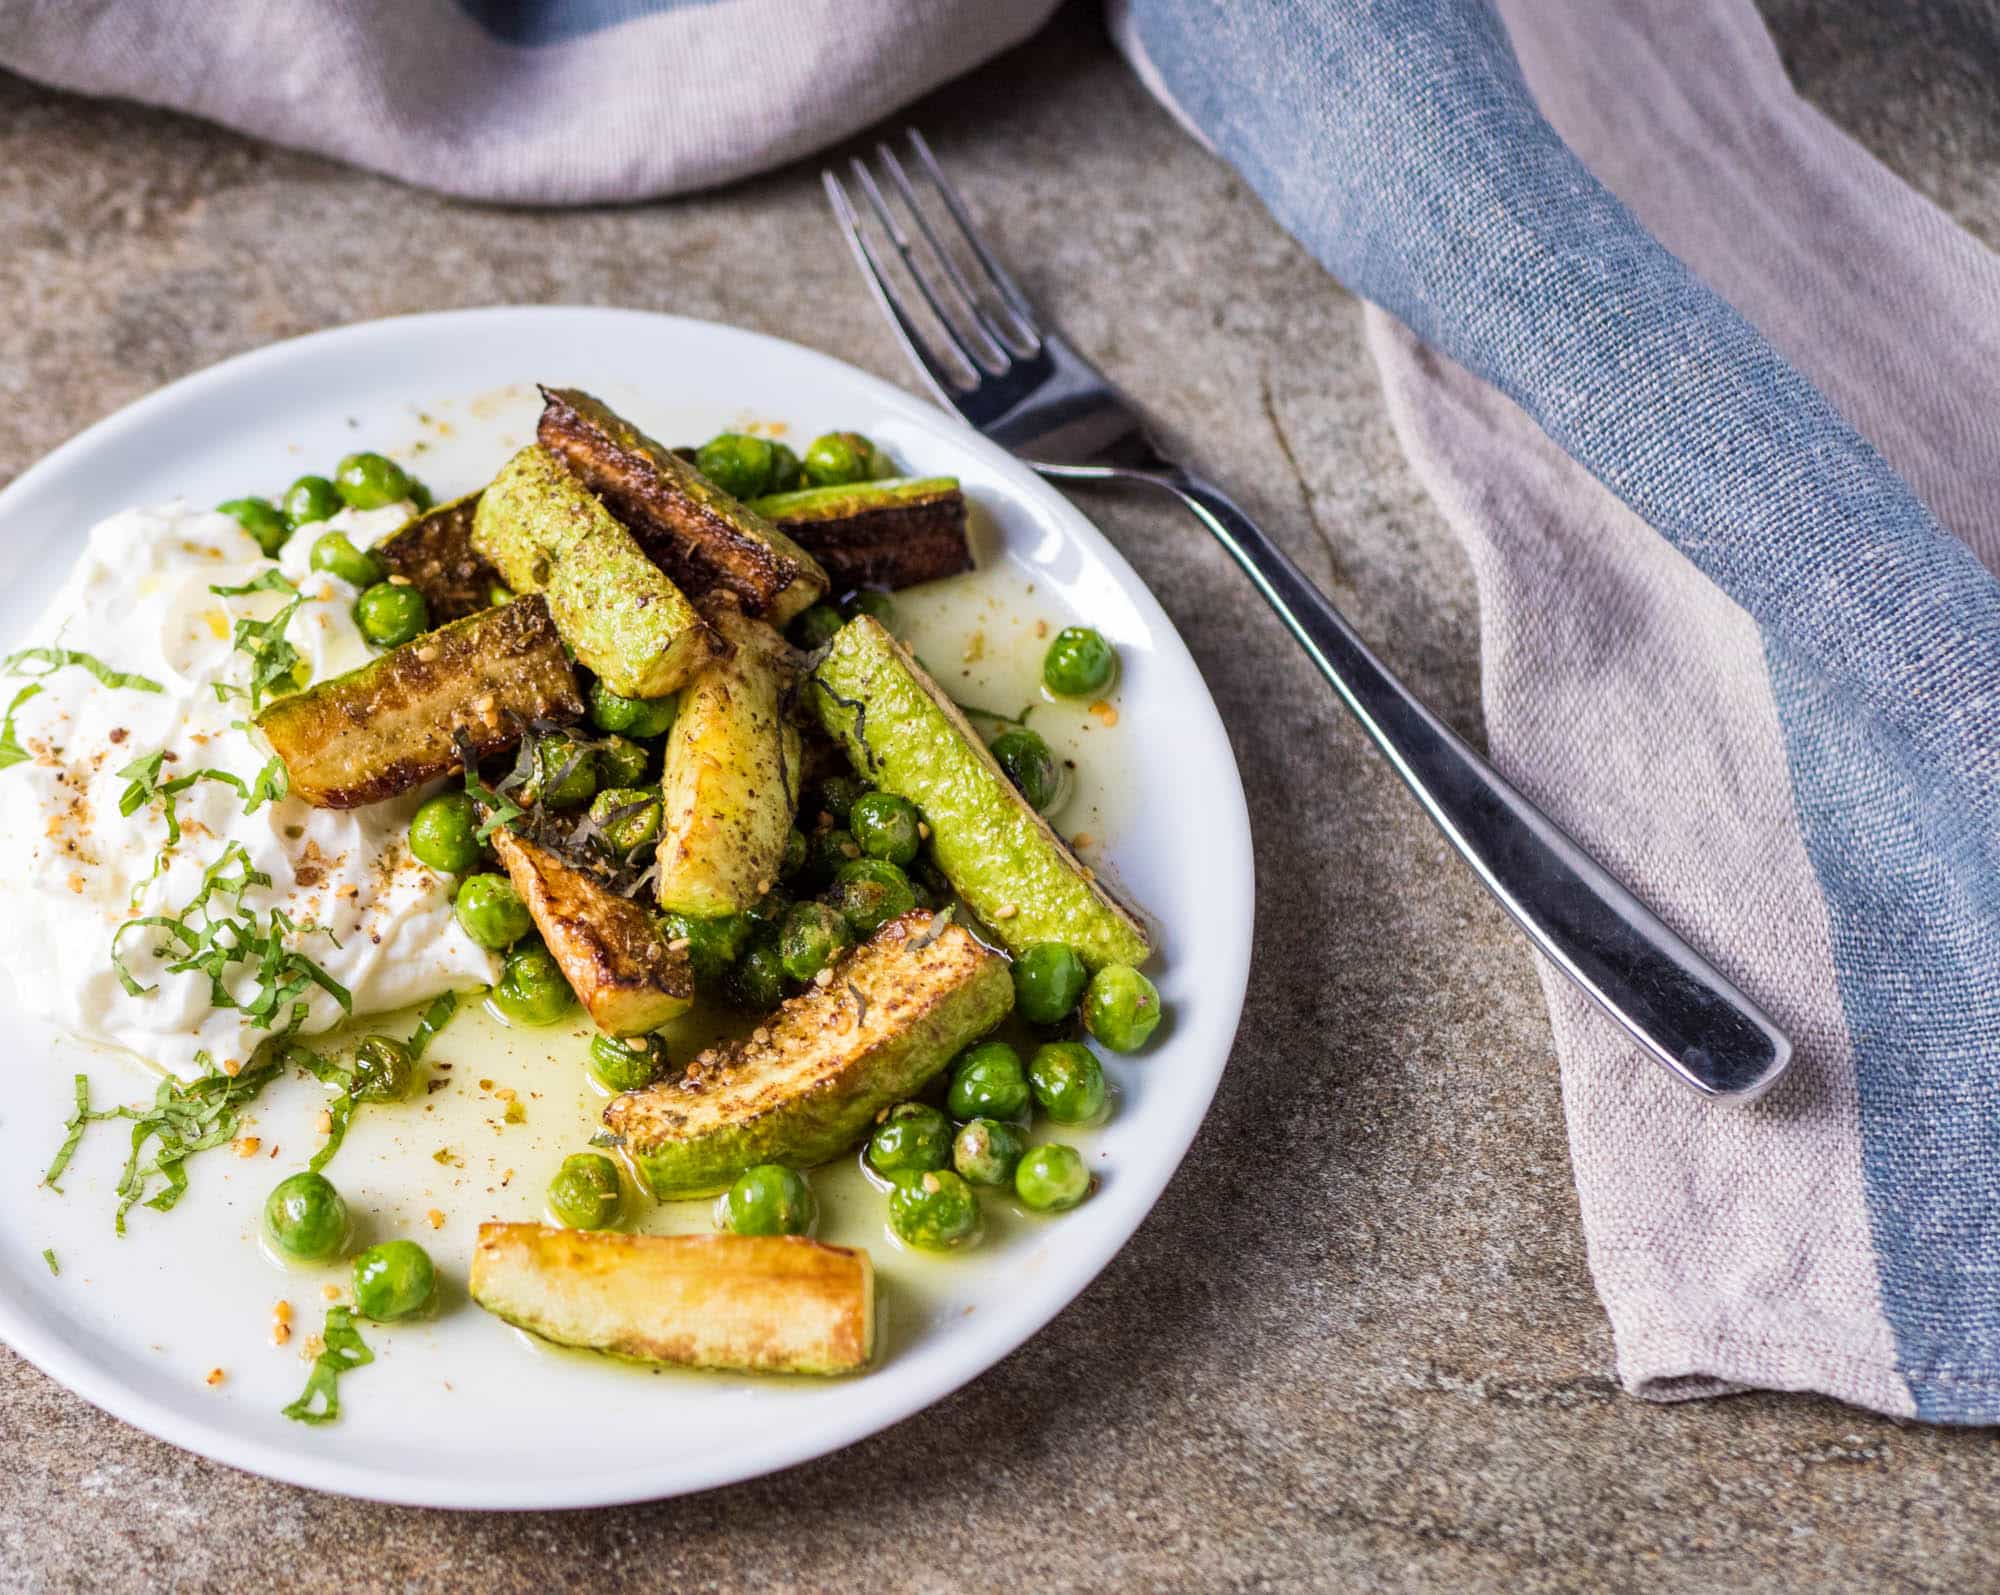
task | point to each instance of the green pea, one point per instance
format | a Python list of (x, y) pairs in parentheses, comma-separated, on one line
[(1068, 1082), (936, 1211), (420, 496), (814, 629), (498, 593), (644, 718), (838, 458), (1079, 663), (622, 762), (911, 1138), (369, 481), (384, 1069), (787, 474), (444, 833), (1121, 1008), (758, 980), (737, 463), (770, 1199), (565, 773), (836, 796), (879, 606), (869, 892), (986, 1151), (1051, 1178), (795, 853), (393, 1280), (585, 1192), (828, 852), (305, 1217), (629, 1063), (885, 826), (627, 818), (335, 553), (987, 1082), (1030, 763), (309, 499), (1048, 982), (389, 614), (261, 519), (712, 944), (812, 937), (491, 912), (533, 989)]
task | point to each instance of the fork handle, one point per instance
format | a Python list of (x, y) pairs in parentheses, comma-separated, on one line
[(1673, 1002)]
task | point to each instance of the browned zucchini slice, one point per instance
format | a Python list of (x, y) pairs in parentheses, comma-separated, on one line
[(399, 722), (894, 533), (688, 526), (809, 1081), (434, 554), (617, 963), (755, 1303)]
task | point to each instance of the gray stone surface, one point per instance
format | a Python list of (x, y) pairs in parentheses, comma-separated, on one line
[(1356, 1345)]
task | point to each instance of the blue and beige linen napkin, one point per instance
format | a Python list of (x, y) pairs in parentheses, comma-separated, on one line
[(1714, 402)]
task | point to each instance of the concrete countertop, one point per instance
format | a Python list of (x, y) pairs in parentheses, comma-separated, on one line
[(1356, 1345)]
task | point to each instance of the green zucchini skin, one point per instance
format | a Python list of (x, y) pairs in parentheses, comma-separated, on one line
[(808, 1082), (904, 735), (546, 532), (896, 533), (434, 554), (399, 721), (689, 527)]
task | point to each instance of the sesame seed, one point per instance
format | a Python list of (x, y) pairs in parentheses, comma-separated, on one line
[(215, 1377), (245, 1145)]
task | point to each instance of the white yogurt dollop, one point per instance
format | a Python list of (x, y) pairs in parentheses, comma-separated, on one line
[(71, 864)]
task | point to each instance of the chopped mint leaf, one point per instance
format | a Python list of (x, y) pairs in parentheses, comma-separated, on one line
[(274, 661), (49, 1257), (53, 659), (11, 751), (345, 1349)]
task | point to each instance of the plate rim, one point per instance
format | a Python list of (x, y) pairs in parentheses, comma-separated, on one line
[(214, 1439)]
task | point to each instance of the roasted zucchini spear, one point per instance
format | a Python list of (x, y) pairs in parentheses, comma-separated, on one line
[(547, 534), (730, 784), (400, 721), (810, 1080), (620, 967), (905, 736), (746, 1303), (434, 554), (697, 533), (894, 533)]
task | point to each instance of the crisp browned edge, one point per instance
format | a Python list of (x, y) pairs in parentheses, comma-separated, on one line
[(587, 919), (696, 547), (890, 545), (527, 619), (434, 553)]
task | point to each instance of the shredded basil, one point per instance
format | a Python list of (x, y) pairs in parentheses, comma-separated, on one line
[(344, 1349), (273, 660), (216, 940), (49, 1257), (53, 659), (11, 751), (181, 1121), (435, 1018)]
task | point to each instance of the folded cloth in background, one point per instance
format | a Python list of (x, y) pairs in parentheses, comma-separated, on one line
[(1778, 719), (557, 102), (1726, 643)]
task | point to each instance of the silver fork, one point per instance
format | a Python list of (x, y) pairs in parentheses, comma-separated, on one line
[(993, 358)]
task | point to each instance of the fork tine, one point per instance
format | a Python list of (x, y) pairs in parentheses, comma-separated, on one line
[(997, 359), (1016, 301), (968, 300), (946, 384)]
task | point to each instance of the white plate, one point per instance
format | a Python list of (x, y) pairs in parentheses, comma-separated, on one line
[(460, 1411)]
